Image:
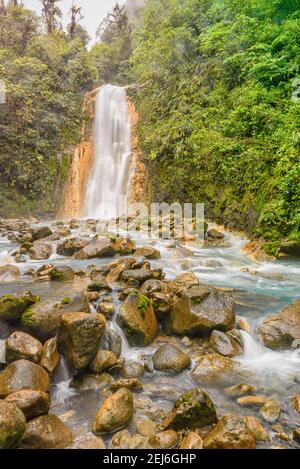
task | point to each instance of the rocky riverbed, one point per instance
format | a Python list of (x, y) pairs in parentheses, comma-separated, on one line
[(128, 342)]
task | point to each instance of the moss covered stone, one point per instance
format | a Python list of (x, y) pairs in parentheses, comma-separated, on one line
[(13, 306)]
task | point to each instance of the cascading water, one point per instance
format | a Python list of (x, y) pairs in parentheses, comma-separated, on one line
[(108, 184)]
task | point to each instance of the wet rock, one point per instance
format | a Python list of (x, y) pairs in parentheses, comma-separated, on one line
[(215, 234), (252, 401), (240, 390), (23, 374), (194, 409), (164, 440), (40, 251), (146, 427), (9, 273), (151, 286), (32, 403), (296, 434), (88, 441), (43, 320), (271, 411), (87, 382), (282, 329), (13, 306), (41, 232), (115, 413), (162, 303), (79, 337), (133, 370), (106, 308), (50, 358), (92, 296), (21, 345), (295, 401), (226, 344), (103, 361), (124, 440), (137, 318), (192, 315), (117, 268), (104, 247), (62, 274), (139, 275), (111, 341), (257, 430), (71, 245), (170, 358), (46, 432), (188, 279), (147, 251), (133, 384), (99, 285), (231, 432), (213, 368), (12, 425), (192, 441)]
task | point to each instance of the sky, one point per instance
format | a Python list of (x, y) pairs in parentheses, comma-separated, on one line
[(93, 10)]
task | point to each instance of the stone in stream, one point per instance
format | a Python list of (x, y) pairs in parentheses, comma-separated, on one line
[(111, 340), (71, 245), (50, 358), (32, 403), (133, 384), (200, 311), (240, 390), (43, 319), (282, 329), (170, 358), (192, 441), (133, 370), (117, 268), (103, 361), (115, 412), (227, 344), (21, 345), (13, 306), (231, 432), (9, 273), (295, 401), (104, 247), (296, 434), (88, 382), (151, 286), (137, 319), (188, 279), (79, 338), (12, 425), (257, 430), (138, 275), (46, 432), (252, 401), (194, 409), (146, 427), (106, 308), (41, 232), (148, 251), (164, 440), (23, 374), (124, 440), (88, 441), (62, 274), (213, 368), (99, 285), (40, 251), (271, 411)]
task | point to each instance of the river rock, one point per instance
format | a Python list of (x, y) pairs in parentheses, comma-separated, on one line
[(188, 279), (32, 403), (164, 440), (170, 358), (88, 441), (192, 316), (46, 432), (146, 427), (13, 306), (214, 234), (151, 286), (226, 344), (124, 440), (71, 245), (111, 340), (12, 425), (103, 361), (192, 441), (296, 434), (137, 318), (50, 358), (21, 345), (295, 401), (138, 275), (99, 285), (104, 247), (133, 370), (106, 308), (40, 251), (252, 401), (117, 268), (148, 251), (194, 409), (79, 337), (257, 430), (41, 232), (133, 384), (115, 412), (282, 329), (89, 381), (271, 411), (62, 274), (9, 273), (213, 368), (23, 374), (231, 432), (43, 319), (240, 390)]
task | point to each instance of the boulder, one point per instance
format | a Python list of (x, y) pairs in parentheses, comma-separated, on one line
[(71, 245), (252, 401), (12, 425), (133, 384), (213, 368), (9, 273), (188, 279), (99, 285), (21, 345), (295, 401), (62, 274), (115, 412), (79, 337), (13, 306), (231, 432), (41, 232), (43, 319), (104, 247), (170, 358), (270, 411), (214, 234), (148, 251), (111, 340), (40, 251), (133, 370), (32, 403), (192, 316), (146, 427), (106, 308), (103, 361), (256, 428), (226, 344), (137, 318), (46, 432), (192, 441), (240, 390), (280, 330), (50, 358), (116, 270), (164, 440), (194, 409), (23, 374), (88, 382), (124, 440), (138, 275)]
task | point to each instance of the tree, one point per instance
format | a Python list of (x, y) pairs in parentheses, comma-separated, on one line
[(51, 14), (76, 16), (114, 24)]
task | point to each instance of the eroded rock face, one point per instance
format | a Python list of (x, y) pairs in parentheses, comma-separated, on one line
[(137, 318), (23, 374), (12, 425), (20, 345), (170, 358), (115, 412), (231, 432), (194, 409), (13, 306), (46, 432), (32, 403), (194, 315), (80, 336), (282, 329)]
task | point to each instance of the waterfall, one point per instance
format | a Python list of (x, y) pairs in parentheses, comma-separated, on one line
[(110, 174)]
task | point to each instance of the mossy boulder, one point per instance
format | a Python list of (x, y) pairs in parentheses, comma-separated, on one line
[(62, 274), (170, 358), (115, 412), (32, 403), (12, 425), (23, 374), (46, 432), (21, 345), (13, 306)]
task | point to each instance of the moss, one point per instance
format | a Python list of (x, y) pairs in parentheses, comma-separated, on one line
[(66, 301), (27, 317), (12, 307), (143, 304)]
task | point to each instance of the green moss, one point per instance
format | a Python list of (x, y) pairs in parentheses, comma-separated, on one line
[(12, 307), (143, 304), (66, 301), (27, 317)]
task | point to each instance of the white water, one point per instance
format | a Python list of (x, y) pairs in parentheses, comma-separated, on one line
[(109, 178)]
